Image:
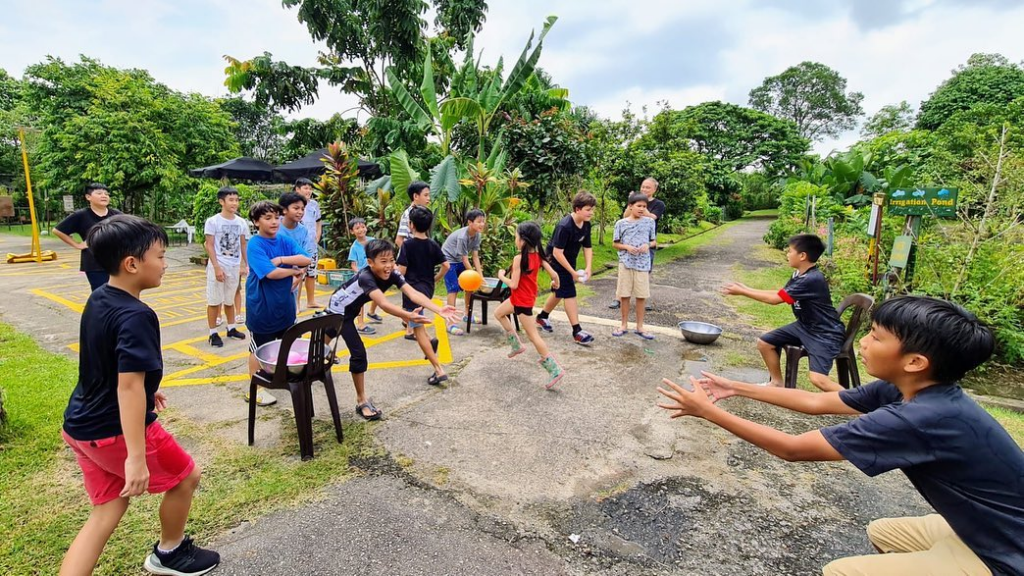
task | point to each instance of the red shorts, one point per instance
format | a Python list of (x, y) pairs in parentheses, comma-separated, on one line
[(102, 462)]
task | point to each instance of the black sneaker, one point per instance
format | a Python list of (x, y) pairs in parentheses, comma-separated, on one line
[(234, 333), (215, 340), (185, 560)]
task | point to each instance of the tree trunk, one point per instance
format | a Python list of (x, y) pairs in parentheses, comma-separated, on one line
[(989, 207)]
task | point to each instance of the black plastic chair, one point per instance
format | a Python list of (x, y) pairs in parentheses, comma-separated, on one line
[(318, 368), (499, 294), (846, 361)]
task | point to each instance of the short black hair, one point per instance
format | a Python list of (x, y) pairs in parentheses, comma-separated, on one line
[(353, 221), (416, 188), (262, 207), (226, 191), (421, 219), (289, 198), (637, 197), (809, 244), (952, 339), (582, 199), (121, 236), (302, 182), (377, 247), (90, 188), (474, 214)]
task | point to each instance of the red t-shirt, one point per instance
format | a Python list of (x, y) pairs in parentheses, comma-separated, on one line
[(525, 294)]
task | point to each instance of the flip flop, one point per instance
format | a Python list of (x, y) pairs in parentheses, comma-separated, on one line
[(644, 335), (455, 330), (375, 414), (436, 380), (619, 332), (409, 336)]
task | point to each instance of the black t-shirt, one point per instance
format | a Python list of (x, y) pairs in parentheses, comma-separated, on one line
[(350, 296), (80, 222), (811, 300), (118, 334), (656, 207), (421, 257), (956, 455), (570, 238)]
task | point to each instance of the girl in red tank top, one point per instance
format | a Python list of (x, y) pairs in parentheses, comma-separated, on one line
[(523, 283)]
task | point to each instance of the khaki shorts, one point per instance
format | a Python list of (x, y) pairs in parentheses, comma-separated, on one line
[(218, 293), (921, 545), (633, 283)]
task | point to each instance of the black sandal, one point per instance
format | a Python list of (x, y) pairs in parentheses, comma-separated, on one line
[(375, 414), (436, 380)]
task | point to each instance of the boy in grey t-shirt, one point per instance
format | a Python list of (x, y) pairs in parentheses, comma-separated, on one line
[(457, 249), (634, 238)]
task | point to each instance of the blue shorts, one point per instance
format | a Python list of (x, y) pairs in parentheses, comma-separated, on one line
[(451, 277), (413, 325), (820, 353)]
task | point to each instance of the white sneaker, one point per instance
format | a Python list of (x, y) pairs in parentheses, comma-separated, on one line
[(263, 397)]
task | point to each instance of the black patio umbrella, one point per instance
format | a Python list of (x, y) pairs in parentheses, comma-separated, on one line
[(240, 169), (310, 166)]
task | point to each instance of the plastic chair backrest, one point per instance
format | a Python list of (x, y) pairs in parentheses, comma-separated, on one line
[(317, 355), (862, 304)]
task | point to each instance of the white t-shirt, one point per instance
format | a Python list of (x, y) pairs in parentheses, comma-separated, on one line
[(227, 238)]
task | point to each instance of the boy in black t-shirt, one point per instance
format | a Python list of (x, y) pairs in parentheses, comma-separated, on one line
[(81, 222), (817, 327), (110, 421), (571, 234), (368, 284), (419, 257), (915, 419)]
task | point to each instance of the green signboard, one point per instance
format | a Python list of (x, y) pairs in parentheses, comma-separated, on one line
[(900, 252), (923, 202)]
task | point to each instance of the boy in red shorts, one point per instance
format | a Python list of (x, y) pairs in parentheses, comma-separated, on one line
[(110, 422)]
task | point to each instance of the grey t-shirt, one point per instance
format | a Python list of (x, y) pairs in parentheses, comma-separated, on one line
[(956, 455), (460, 243)]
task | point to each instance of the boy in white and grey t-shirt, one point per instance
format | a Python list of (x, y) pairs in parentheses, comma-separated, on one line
[(312, 219), (226, 236)]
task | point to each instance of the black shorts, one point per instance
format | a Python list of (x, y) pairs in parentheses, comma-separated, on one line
[(566, 286), (357, 362), (524, 310), (257, 339), (820, 353)]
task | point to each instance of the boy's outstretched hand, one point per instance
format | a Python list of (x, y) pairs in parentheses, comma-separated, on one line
[(734, 289), (717, 387), (450, 313), (685, 402)]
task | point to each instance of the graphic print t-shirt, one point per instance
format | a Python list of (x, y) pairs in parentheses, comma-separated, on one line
[(635, 233), (350, 296), (227, 238), (956, 455)]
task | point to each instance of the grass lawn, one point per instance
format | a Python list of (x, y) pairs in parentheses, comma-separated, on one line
[(768, 213), (44, 503), (768, 317), (24, 229)]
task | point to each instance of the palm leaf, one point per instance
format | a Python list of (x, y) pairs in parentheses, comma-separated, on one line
[(427, 87), (420, 116), (402, 173), (445, 178)]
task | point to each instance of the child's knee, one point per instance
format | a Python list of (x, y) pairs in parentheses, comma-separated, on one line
[(194, 476), (764, 346)]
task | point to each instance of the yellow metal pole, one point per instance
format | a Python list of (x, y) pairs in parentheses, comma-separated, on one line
[(36, 248)]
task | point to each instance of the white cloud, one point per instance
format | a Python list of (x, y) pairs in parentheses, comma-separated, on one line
[(181, 42)]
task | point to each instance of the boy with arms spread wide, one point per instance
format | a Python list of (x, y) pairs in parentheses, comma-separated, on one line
[(817, 327), (916, 419), (111, 419)]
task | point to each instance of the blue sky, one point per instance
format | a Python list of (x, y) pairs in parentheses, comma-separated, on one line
[(606, 52)]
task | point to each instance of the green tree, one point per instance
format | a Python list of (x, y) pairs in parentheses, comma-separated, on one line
[(123, 128), (260, 132), (308, 134), (891, 118), (10, 97), (984, 79), (813, 96)]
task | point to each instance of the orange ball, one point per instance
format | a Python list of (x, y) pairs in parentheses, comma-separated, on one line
[(470, 280)]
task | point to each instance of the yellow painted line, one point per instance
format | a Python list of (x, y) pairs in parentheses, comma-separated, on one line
[(224, 360), (197, 353), (58, 299), (182, 321), (245, 377)]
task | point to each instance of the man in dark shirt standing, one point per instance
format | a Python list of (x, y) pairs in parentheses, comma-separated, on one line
[(655, 210), (80, 222)]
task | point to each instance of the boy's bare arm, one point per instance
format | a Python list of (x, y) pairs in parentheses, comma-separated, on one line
[(295, 260), (816, 403), (740, 289), (476, 262), (809, 446), (245, 254), (70, 241), (131, 400), (441, 272), (559, 255), (588, 259), (212, 255)]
